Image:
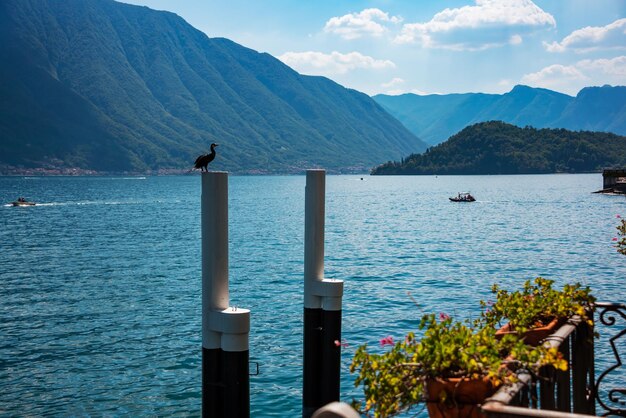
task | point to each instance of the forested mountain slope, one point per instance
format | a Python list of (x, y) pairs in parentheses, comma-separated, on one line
[(101, 85), (500, 148)]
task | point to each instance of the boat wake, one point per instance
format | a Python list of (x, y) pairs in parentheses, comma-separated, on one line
[(125, 178), (96, 202), (92, 202)]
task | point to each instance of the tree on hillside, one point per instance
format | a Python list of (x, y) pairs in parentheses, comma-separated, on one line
[(499, 148)]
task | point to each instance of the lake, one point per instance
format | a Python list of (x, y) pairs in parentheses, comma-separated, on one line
[(100, 302)]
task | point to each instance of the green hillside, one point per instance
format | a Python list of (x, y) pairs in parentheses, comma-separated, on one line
[(101, 85), (501, 148)]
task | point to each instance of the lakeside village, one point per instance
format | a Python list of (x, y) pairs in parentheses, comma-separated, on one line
[(74, 171)]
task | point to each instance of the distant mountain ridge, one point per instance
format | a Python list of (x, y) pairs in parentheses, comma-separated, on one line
[(107, 86), (434, 118), (496, 147)]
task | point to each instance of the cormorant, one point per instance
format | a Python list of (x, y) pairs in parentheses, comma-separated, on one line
[(204, 160)]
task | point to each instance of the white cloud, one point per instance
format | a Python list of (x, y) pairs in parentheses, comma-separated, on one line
[(394, 86), (393, 82), (553, 73), (423, 93), (318, 63), (615, 67), (394, 92), (505, 84), (486, 24), (611, 36), (369, 22), (571, 78)]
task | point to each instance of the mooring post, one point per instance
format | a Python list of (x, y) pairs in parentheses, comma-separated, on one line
[(322, 306), (225, 330)]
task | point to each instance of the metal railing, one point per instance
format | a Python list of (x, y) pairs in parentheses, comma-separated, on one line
[(571, 393), (612, 401)]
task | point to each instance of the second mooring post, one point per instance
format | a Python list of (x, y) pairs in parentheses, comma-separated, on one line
[(225, 330), (322, 306)]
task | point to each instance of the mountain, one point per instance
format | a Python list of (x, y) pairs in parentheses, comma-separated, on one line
[(107, 86), (596, 109), (435, 118), (500, 148)]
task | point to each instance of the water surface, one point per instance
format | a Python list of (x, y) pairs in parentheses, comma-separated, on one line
[(100, 303)]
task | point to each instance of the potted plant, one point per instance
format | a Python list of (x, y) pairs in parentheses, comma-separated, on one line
[(537, 310), (453, 368)]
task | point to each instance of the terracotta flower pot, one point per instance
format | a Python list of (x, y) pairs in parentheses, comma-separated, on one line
[(533, 336), (463, 397)]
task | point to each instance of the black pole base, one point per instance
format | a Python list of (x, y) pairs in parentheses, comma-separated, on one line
[(322, 359), (211, 385), (225, 384), (312, 370), (331, 357)]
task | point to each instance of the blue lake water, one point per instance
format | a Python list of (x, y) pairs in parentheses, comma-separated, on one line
[(100, 303)]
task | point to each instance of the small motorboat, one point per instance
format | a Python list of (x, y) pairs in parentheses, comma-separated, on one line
[(22, 202), (463, 197)]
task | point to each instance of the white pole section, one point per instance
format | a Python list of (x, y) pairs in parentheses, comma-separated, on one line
[(318, 291), (225, 330), (322, 305), (214, 251), (314, 222)]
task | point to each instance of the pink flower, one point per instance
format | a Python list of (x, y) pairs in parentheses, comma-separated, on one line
[(341, 343), (614, 239), (443, 316), (618, 216), (386, 341)]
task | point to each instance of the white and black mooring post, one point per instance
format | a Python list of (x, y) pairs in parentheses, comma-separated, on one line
[(225, 330), (322, 305)]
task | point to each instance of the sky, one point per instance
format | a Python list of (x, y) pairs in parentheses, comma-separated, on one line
[(427, 46)]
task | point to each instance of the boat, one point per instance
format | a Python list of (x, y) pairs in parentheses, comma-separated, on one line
[(463, 197), (22, 202)]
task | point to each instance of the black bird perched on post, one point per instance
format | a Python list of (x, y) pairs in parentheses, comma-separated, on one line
[(204, 160)]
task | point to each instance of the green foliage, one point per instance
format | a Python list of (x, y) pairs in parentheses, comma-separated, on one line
[(499, 148), (621, 244), (536, 304), (394, 381)]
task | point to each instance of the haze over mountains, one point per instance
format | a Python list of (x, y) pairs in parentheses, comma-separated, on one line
[(101, 85), (434, 118)]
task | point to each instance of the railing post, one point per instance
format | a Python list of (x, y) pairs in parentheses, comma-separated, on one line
[(563, 392), (583, 373), (546, 388), (225, 330), (322, 306), (590, 371)]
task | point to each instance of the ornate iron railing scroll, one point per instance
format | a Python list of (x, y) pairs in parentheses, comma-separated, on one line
[(608, 314)]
